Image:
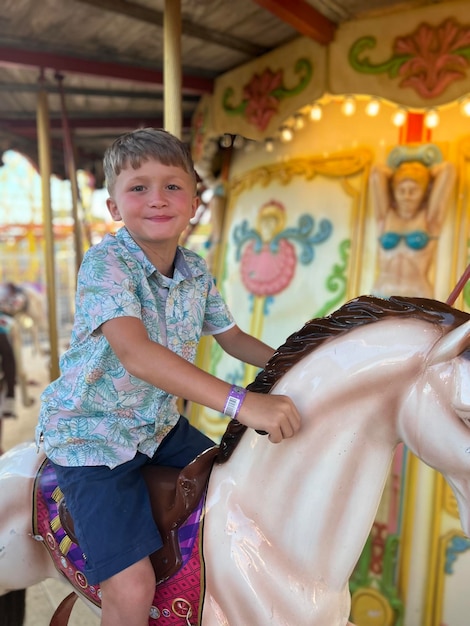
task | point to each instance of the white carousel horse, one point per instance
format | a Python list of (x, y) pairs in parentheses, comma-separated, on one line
[(284, 525), (28, 304), (25, 304)]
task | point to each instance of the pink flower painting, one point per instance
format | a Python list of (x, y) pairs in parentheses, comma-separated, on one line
[(436, 57), (428, 60), (263, 93), (262, 102)]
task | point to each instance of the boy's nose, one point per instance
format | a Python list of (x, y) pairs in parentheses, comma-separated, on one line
[(157, 198)]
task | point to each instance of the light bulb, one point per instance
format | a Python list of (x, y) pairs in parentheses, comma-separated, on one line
[(238, 142), (349, 106), (373, 107), (226, 140), (287, 134), (399, 117), (316, 112), (269, 144), (299, 121), (431, 119), (465, 107)]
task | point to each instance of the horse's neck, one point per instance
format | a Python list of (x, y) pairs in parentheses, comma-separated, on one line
[(317, 495), (329, 478)]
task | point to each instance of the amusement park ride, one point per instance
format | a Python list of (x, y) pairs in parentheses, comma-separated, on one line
[(275, 535), (260, 534)]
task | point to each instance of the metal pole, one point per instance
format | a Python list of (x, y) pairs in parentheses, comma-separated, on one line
[(172, 72), (44, 152), (459, 286), (71, 171)]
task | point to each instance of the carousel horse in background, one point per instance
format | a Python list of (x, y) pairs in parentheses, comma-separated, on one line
[(281, 527), (27, 303)]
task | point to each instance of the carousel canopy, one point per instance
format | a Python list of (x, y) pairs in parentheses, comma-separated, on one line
[(101, 62)]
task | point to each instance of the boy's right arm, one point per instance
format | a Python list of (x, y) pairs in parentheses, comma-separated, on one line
[(162, 368)]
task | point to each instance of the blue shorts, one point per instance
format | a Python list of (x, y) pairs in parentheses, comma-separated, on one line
[(111, 511)]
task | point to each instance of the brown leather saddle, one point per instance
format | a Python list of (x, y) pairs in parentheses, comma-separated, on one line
[(174, 494)]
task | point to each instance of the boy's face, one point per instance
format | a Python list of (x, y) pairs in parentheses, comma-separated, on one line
[(154, 201)]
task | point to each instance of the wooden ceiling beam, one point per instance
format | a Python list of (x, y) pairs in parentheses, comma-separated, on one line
[(198, 31), (303, 17), (91, 91), (66, 63), (27, 126)]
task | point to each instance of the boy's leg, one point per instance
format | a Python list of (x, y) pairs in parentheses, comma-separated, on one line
[(115, 529), (126, 597), (181, 446)]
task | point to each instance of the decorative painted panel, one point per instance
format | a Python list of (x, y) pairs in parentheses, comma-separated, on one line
[(253, 100), (291, 252), (419, 61)]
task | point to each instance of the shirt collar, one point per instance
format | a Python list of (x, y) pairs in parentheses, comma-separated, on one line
[(183, 269)]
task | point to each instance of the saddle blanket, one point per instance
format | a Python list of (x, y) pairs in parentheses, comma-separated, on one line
[(177, 600)]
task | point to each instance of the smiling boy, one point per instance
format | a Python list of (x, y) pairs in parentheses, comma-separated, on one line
[(142, 304)]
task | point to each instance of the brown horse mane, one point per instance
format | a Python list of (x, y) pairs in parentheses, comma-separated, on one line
[(357, 312)]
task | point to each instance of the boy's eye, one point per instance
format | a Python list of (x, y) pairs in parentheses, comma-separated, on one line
[(173, 187), (137, 188)]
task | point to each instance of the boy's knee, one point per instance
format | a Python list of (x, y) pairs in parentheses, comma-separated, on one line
[(134, 586)]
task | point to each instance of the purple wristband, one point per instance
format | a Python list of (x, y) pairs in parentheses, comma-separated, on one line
[(234, 401)]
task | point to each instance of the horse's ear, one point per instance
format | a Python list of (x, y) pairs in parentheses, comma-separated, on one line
[(451, 345)]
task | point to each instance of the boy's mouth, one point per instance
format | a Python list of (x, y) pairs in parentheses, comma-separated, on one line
[(160, 218)]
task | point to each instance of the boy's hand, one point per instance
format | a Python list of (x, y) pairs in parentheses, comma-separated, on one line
[(277, 415)]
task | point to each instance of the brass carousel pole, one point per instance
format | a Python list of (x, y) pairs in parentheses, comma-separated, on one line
[(71, 171), (172, 72), (44, 152), (172, 80)]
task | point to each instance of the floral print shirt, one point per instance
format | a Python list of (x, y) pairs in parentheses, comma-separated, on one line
[(96, 413)]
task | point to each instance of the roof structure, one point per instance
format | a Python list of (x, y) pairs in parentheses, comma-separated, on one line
[(101, 62)]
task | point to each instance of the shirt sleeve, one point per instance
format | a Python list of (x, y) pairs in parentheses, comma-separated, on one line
[(218, 317)]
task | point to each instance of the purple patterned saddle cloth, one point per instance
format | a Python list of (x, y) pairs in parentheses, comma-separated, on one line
[(177, 600)]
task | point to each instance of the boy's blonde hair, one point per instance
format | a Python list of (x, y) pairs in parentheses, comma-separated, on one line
[(140, 145)]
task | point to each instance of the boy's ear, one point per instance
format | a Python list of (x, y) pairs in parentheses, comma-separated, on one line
[(196, 203), (113, 210)]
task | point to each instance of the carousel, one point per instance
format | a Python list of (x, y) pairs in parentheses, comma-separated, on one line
[(335, 181)]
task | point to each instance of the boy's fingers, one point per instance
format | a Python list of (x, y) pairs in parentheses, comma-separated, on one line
[(287, 431), (275, 438), (282, 418)]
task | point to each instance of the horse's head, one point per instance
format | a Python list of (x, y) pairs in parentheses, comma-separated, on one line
[(438, 429)]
